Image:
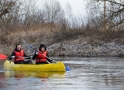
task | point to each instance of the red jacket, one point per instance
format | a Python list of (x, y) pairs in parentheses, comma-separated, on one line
[(19, 56), (41, 57)]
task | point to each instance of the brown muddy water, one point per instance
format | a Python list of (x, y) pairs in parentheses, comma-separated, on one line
[(85, 74)]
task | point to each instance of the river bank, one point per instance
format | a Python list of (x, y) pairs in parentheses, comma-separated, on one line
[(86, 49), (83, 43)]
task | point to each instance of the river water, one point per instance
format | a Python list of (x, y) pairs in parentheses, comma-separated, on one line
[(106, 73)]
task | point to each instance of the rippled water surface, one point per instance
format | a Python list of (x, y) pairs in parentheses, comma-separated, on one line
[(85, 74)]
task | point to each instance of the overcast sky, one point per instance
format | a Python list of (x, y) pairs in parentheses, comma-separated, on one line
[(78, 6)]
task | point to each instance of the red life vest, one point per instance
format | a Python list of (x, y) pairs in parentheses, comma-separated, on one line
[(19, 56), (41, 57)]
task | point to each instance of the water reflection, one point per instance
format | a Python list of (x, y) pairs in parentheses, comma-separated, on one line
[(105, 73), (23, 74), (2, 78)]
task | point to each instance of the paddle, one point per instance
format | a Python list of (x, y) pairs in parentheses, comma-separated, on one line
[(3, 57), (36, 50), (66, 67)]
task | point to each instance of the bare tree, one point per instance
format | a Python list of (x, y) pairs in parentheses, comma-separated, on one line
[(53, 12), (95, 14), (69, 17), (114, 11), (5, 7)]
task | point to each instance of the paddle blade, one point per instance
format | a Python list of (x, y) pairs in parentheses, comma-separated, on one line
[(3, 57), (67, 68)]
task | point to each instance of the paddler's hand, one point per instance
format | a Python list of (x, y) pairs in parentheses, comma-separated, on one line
[(53, 61), (10, 61), (12, 57), (31, 57), (36, 52)]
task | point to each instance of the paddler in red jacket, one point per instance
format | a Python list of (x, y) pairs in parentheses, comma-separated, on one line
[(41, 56), (18, 55)]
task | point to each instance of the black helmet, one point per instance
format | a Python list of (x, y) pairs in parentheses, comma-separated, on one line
[(42, 45), (16, 47)]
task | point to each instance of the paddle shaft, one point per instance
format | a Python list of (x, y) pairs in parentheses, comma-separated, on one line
[(35, 49)]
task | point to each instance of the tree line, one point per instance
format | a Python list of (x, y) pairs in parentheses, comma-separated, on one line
[(24, 15)]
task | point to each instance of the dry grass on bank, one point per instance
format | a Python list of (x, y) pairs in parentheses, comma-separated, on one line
[(46, 36), (90, 35), (8, 41)]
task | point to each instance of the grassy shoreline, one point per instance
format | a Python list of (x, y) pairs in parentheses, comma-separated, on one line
[(61, 42)]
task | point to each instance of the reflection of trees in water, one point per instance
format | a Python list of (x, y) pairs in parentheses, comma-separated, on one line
[(106, 80), (113, 80), (2, 80), (104, 73), (1, 62)]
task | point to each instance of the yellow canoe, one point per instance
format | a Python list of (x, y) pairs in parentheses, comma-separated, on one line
[(52, 67)]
